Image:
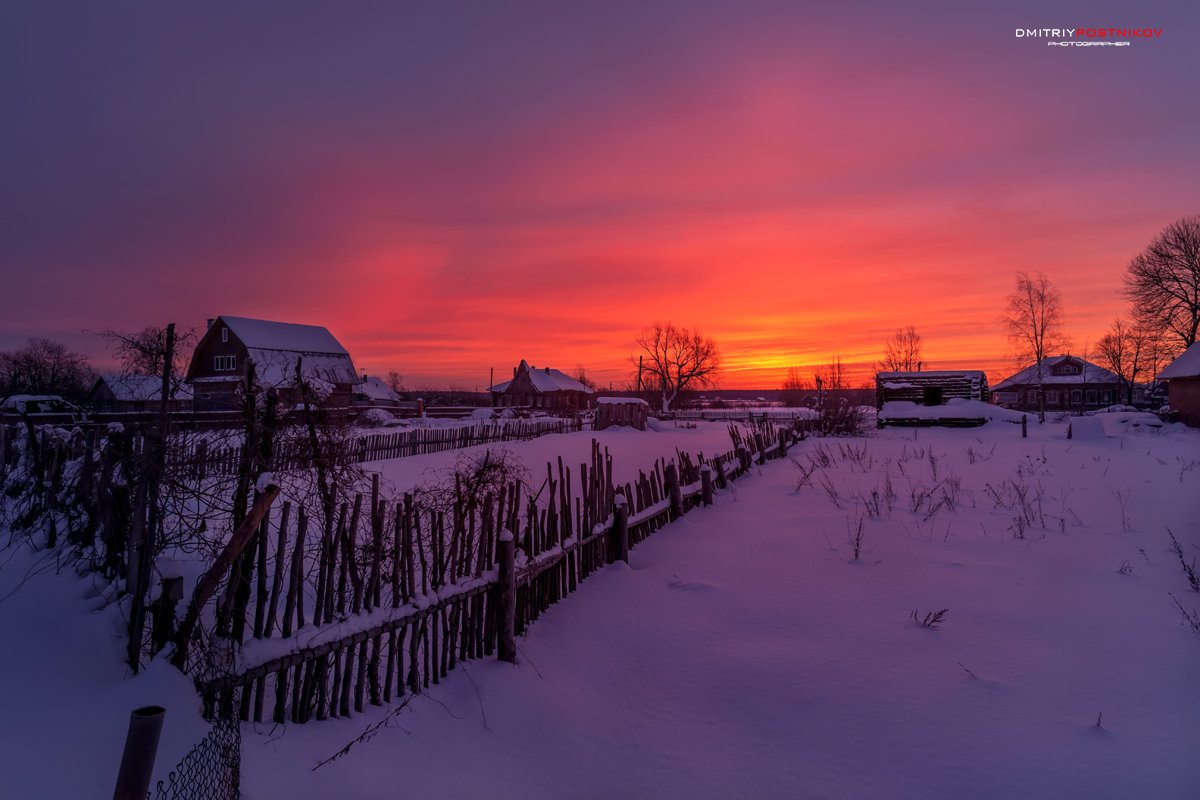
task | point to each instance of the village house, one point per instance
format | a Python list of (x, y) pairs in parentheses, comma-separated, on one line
[(128, 393), (542, 389), (1183, 385), (218, 365), (932, 388), (1071, 384), (375, 393)]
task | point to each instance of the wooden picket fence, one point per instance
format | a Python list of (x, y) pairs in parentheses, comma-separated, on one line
[(202, 458), (391, 595)]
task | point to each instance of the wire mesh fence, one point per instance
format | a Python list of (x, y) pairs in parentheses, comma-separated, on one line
[(212, 770)]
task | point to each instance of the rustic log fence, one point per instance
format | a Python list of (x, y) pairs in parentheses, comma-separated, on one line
[(800, 416), (393, 595), (371, 598)]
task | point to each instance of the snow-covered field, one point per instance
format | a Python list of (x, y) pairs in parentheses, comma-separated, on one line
[(745, 652)]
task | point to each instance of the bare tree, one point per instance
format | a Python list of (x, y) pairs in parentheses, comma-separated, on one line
[(43, 366), (1163, 281), (1132, 350), (794, 388), (395, 382), (581, 376), (902, 353), (143, 352), (674, 359), (1034, 323)]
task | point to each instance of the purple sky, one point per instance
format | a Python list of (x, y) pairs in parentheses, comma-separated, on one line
[(451, 187)]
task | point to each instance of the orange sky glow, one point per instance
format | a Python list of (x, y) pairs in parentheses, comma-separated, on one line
[(454, 190)]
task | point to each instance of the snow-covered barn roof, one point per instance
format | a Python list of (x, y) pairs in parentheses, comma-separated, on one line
[(266, 335), (1186, 366), (275, 346), (546, 380), (1091, 374)]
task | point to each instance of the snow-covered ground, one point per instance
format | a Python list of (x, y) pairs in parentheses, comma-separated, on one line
[(744, 652)]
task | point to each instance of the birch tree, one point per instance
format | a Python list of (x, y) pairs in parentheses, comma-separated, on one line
[(1034, 323)]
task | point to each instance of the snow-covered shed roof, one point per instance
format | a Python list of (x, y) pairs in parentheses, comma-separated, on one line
[(930, 373), (546, 380), (373, 388), (621, 401), (142, 387), (1186, 366), (1091, 374)]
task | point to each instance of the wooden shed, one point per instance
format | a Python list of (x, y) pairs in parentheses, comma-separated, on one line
[(931, 388), (123, 393), (1183, 385), (629, 411)]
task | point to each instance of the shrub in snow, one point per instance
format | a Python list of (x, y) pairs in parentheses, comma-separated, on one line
[(373, 418), (931, 619)]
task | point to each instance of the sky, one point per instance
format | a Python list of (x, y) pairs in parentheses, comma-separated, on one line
[(452, 187)]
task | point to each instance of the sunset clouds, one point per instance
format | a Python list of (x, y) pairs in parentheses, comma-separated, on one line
[(453, 187)]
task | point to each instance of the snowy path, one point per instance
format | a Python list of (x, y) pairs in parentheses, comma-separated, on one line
[(743, 654)]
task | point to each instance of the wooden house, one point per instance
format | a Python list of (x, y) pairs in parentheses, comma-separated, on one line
[(542, 389), (219, 362), (1183, 385), (932, 388), (124, 393), (630, 411), (375, 393), (1070, 383)]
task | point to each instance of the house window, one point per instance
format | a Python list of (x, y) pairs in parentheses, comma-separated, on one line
[(1106, 397), (1052, 397), (1091, 397), (224, 363), (1076, 395), (224, 334)]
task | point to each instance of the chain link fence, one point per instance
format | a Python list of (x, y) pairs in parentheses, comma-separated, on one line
[(211, 771)]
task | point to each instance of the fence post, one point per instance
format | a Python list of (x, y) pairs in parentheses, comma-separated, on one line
[(671, 474), (706, 484), (506, 649), (1024, 432), (141, 746), (621, 527), (722, 481), (761, 446)]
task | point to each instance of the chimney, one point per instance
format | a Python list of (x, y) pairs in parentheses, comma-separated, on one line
[(514, 372), (547, 370), (210, 324)]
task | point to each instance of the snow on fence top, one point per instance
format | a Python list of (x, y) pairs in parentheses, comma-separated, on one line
[(622, 401)]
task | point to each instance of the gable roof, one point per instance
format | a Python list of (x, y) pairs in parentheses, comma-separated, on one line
[(266, 335), (275, 346), (374, 388), (1186, 366), (546, 380), (1028, 376)]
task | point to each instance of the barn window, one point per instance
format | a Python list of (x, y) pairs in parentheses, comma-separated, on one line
[(933, 395), (224, 363)]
